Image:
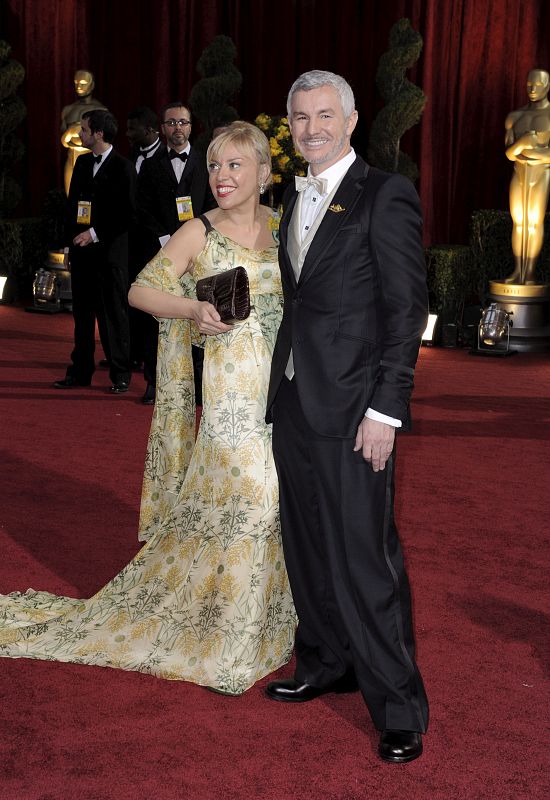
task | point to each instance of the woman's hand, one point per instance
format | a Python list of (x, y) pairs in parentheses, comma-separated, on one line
[(207, 319)]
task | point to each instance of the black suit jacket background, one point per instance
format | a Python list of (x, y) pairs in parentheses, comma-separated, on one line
[(157, 192), (112, 195), (354, 319)]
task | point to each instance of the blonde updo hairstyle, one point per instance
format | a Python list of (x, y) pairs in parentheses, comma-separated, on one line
[(246, 137)]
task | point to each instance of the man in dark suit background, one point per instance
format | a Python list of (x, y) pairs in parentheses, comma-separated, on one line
[(355, 306), (172, 188), (142, 131), (100, 209)]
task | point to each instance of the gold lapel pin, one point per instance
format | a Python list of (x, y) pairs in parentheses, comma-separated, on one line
[(336, 208)]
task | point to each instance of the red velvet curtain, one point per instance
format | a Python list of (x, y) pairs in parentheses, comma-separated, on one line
[(473, 68)]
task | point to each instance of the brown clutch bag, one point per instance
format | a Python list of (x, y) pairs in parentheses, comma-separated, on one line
[(228, 292)]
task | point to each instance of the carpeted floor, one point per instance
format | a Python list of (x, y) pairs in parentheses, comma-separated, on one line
[(473, 507)]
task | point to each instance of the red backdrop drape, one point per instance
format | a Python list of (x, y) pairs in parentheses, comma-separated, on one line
[(473, 68)]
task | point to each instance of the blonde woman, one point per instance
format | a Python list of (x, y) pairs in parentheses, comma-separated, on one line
[(207, 598)]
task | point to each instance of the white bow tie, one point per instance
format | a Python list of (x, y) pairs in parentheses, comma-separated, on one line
[(321, 184)]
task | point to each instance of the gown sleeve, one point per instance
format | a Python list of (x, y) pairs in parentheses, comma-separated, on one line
[(172, 434)]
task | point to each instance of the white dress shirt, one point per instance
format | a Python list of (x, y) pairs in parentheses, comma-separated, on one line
[(97, 167), (177, 164)]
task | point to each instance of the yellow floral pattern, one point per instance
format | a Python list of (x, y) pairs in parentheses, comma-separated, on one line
[(206, 599)]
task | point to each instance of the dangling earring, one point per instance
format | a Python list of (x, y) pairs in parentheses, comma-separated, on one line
[(262, 187)]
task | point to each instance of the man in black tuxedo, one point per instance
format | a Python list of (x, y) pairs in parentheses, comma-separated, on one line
[(100, 209), (355, 307), (142, 131), (172, 188)]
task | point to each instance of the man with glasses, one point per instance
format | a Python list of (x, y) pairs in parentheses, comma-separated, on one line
[(172, 188)]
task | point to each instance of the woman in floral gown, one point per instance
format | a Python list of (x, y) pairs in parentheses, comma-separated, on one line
[(207, 598)]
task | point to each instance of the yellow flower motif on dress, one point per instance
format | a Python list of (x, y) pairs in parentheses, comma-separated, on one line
[(120, 620), (215, 554), (91, 648), (252, 490), (230, 587), (173, 579), (144, 629), (208, 586), (9, 636), (167, 542)]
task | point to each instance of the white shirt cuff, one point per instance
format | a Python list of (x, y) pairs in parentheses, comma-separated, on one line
[(376, 415), (93, 234), (164, 239)]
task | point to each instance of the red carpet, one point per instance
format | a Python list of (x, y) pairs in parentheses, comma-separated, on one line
[(473, 508)]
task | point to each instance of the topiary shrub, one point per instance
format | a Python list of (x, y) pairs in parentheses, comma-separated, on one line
[(452, 279), (209, 98), (12, 113), (404, 102)]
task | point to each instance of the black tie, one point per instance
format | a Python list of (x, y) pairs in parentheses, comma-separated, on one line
[(181, 156), (97, 159)]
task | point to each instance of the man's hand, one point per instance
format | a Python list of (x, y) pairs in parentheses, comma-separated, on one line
[(83, 239), (208, 320), (376, 440)]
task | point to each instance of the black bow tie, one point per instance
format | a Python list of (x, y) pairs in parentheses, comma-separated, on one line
[(97, 159), (181, 156)]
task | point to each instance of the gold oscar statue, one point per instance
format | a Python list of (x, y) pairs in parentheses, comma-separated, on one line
[(527, 139), (524, 300), (70, 120)]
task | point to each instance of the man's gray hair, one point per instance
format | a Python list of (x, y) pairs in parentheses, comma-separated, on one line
[(317, 78)]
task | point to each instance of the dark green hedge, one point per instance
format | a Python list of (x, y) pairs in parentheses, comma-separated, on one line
[(23, 250)]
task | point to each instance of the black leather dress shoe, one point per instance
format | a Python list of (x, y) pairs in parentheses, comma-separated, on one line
[(119, 388), (148, 398), (68, 383), (398, 747), (291, 691)]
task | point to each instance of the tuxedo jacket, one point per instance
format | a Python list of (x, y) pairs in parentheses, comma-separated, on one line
[(112, 195), (157, 192), (135, 153), (355, 317)]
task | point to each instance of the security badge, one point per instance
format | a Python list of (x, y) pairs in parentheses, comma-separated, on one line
[(185, 208), (84, 212)]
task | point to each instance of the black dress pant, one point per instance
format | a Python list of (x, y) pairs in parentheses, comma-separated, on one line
[(346, 569), (99, 291)]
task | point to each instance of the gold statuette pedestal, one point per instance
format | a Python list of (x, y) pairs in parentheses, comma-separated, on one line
[(529, 305)]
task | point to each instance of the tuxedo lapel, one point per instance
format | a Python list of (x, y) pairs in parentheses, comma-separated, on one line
[(283, 235), (335, 217), (189, 166), (167, 167)]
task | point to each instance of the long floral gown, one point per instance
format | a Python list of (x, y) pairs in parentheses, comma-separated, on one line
[(207, 598)]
